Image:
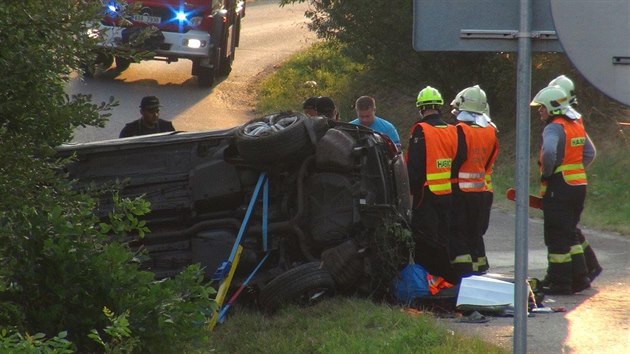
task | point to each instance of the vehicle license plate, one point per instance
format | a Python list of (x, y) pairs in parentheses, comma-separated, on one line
[(155, 20)]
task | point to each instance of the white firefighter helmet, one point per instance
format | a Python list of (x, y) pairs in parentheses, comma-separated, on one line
[(567, 85), (472, 99), (553, 98)]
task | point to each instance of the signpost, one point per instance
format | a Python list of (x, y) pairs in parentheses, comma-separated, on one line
[(497, 26), (595, 35)]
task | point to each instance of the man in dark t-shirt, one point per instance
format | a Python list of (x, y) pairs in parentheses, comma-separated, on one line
[(150, 122)]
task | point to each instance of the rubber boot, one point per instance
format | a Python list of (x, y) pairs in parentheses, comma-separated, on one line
[(558, 279), (592, 265), (579, 278)]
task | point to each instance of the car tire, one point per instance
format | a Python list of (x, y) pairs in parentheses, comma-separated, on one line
[(122, 64), (304, 285), (345, 264), (288, 140), (102, 62)]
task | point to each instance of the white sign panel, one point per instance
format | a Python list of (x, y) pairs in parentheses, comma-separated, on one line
[(595, 36), (479, 26)]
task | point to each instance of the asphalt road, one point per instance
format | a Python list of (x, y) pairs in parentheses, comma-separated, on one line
[(597, 320), (270, 34)]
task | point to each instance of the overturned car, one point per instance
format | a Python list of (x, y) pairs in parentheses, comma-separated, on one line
[(305, 197)]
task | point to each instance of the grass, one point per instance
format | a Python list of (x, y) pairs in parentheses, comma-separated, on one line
[(339, 325)]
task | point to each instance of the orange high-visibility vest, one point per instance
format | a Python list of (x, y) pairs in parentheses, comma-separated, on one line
[(441, 147), (572, 166), (480, 146)]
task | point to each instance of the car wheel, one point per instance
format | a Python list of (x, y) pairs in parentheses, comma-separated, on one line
[(345, 264), (102, 62), (306, 284), (226, 65), (276, 137), (122, 64), (205, 76)]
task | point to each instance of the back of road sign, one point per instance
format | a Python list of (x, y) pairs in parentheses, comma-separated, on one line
[(595, 36), (479, 26)]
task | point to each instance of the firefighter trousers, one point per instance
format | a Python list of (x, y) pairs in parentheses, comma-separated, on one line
[(430, 223), (467, 248), (563, 206)]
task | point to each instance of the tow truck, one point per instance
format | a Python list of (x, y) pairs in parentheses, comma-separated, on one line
[(206, 32)]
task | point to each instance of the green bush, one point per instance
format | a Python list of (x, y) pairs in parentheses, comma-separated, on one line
[(59, 264), (13, 342)]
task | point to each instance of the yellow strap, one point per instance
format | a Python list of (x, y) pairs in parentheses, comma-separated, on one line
[(223, 289)]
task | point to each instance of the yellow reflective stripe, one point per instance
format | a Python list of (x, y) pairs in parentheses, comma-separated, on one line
[(438, 175), (481, 261), (440, 187), (585, 244), (574, 176), (576, 249), (559, 258), (470, 175), (571, 166), (465, 258)]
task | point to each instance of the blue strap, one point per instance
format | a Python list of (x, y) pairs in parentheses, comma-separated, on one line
[(252, 202), (265, 213)]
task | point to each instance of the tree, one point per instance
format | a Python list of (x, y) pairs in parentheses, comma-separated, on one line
[(59, 266)]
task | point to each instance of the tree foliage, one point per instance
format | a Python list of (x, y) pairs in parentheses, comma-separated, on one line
[(379, 34), (59, 266)]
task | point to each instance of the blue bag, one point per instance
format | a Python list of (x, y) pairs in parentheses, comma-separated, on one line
[(410, 284)]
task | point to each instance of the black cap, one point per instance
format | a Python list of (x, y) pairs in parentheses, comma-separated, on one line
[(325, 106), (150, 102), (310, 103)]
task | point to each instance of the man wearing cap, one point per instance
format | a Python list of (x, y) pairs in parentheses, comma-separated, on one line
[(309, 106), (150, 122), (326, 107)]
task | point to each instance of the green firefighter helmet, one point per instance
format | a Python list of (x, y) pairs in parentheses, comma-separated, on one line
[(553, 98), (473, 99), (429, 97), (567, 85)]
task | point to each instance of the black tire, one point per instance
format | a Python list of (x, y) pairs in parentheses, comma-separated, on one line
[(304, 285), (122, 64), (288, 142), (344, 263), (205, 76), (226, 64), (101, 63)]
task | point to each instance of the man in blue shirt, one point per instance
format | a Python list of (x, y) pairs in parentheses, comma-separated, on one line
[(366, 109)]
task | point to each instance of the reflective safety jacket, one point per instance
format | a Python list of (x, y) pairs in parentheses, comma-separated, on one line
[(441, 146), (481, 152), (572, 166)]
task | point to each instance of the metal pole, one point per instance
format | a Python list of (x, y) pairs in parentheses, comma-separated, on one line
[(523, 93)]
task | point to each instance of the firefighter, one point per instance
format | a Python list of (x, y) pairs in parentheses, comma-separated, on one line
[(566, 84), (489, 192), (477, 149), (430, 153), (565, 152)]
